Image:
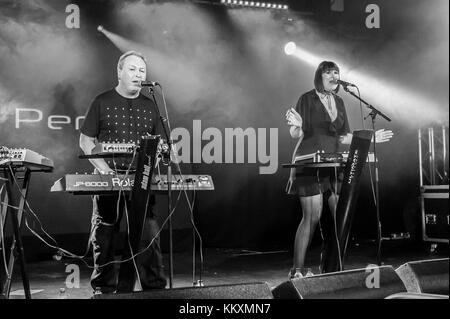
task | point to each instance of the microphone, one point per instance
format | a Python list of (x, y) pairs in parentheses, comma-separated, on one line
[(345, 84), (148, 83)]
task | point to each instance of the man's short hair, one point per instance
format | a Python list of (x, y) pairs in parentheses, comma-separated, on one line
[(322, 68), (127, 54)]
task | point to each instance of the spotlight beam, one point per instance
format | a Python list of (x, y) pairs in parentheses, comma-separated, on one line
[(292, 49), (403, 104)]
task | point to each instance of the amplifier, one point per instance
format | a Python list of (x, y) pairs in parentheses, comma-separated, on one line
[(435, 213)]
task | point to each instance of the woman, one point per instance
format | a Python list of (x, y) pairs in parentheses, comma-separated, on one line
[(319, 122)]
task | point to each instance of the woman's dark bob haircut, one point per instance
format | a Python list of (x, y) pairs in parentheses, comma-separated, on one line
[(322, 68)]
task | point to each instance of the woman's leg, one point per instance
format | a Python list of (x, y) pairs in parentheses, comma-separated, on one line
[(332, 203), (327, 224), (312, 209)]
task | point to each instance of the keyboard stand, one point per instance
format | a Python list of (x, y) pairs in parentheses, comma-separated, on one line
[(335, 249), (16, 217)]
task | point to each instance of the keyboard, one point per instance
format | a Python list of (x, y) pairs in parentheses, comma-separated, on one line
[(96, 184), (322, 157), (22, 157)]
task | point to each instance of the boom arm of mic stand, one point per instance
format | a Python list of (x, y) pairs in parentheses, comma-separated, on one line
[(374, 112)]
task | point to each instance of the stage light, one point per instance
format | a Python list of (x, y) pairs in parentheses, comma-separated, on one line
[(290, 48), (100, 28), (253, 4)]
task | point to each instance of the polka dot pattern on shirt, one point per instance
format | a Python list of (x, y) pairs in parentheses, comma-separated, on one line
[(120, 120)]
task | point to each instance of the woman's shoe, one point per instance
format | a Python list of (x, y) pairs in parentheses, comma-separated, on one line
[(295, 273), (309, 273)]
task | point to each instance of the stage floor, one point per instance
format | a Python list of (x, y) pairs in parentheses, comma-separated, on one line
[(221, 266)]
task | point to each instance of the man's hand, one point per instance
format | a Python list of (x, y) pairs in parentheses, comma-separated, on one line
[(108, 172), (163, 147), (87, 143)]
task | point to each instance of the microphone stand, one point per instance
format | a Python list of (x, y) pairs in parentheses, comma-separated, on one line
[(169, 185), (373, 114)]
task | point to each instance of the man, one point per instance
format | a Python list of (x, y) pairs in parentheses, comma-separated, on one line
[(121, 114)]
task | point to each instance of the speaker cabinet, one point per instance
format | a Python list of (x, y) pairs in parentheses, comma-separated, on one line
[(258, 290), (435, 213), (368, 283), (426, 276)]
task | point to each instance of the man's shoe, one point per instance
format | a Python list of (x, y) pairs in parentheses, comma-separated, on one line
[(103, 290)]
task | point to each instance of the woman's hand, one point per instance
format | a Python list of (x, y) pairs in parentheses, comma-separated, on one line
[(293, 118), (383, 135), (346, 139)]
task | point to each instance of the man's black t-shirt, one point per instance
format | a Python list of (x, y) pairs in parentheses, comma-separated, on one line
[(114, 118)]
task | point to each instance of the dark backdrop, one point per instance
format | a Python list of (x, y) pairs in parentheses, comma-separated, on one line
[(226, 68)]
